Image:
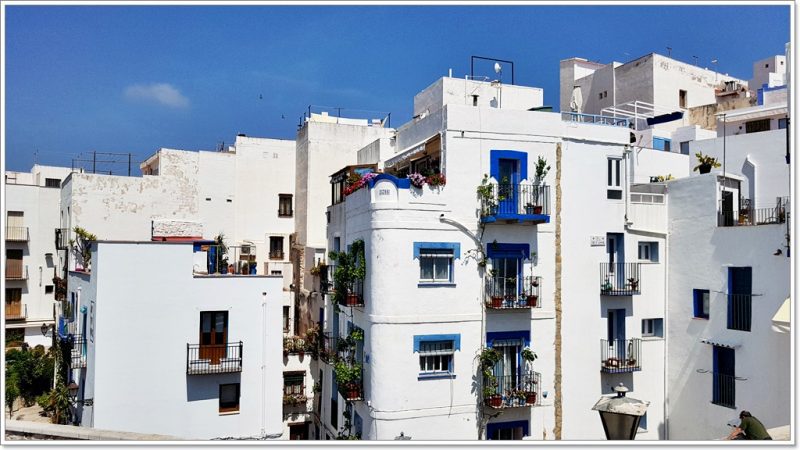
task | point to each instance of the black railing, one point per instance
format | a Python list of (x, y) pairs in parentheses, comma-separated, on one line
[(512, 200), (747, 215), (352, 391), (332, 347), (216, 358), (326, 277), (620, 279), (276, 254), (78, 352), (355, 294), (724, 390), (16, 311), (512, 293), (740, 312), (513, 391), (62, 238), (17, 234), (620, 355)]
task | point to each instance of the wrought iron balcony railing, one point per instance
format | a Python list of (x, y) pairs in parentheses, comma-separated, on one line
[(620, 355), (355, 294), (62, 238), (513, 391), (513, 293), (326, 278), (724, 390), (740, 311), (748, 215), (17, 234), (78, 352), (215, 358), (16, 271), (516, 202), (619, 278)]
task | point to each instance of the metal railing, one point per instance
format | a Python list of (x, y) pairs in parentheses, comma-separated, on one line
[(511, 293), (352, 391), (620, 279), (17, 234), (740, 311), (620, 355), (723, 390), (227, 260), (326, 278), (216, 358), (747, 215), (516, 200), (16, 271), (355, 294), (62, 238), (78, 352), (16, 311), (276, 254), (332, 347), (514, 391), (595, 119)]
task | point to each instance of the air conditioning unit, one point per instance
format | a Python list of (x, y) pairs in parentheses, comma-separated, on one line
[(245, 250)]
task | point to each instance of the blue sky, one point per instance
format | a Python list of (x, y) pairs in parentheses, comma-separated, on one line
[(133, 79)]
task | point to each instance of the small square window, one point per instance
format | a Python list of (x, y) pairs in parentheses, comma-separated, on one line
[(285, 205), (648, 251), (435, 265), (52, 182), (652, 327), (702, 303), (48, 289), (229, 398), (685, 148)]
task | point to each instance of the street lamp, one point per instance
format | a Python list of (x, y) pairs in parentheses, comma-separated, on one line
[(620, 415)]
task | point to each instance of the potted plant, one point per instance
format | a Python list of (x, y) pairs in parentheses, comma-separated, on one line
[(486, 195), (634, 283), (417, 180), (488, 358), (528, 355), (606, 287), (705, 163), (288, 346), (541, 170), (436, 180), (495, 295), (300, 346)]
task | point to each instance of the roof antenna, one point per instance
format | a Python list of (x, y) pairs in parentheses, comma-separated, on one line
[(669, 52)]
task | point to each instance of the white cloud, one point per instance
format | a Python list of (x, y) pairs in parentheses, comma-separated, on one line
[(162, 93)]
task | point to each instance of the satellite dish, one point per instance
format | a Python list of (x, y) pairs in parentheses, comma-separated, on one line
[(497, 67)]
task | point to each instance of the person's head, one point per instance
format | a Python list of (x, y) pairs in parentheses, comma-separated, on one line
[(744, 414)]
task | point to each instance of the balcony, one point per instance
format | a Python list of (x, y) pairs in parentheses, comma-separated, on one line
[(515, 203), (211, 359), (326, 278), (215, 259), (747, 215), (16, 311), (513, 391), (333, 348), (17, 234), (16, 271), (620, 355), (62, 238), (295, 345), (354, 295), (619, 279), (276, 254), (510, 293), (352, 391), (594, 119), (78, 352)]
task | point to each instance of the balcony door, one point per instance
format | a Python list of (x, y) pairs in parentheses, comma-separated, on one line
[(508, 272), (508, 370), (14, 263), (616, 333), (13, 303), (213, 335), (727, 208), (509, 180), (615, 248)]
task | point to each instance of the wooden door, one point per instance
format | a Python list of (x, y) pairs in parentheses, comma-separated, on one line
[(213, 335), (13, 264), (13, 303)]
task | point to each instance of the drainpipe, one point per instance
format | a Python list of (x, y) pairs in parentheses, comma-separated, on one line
[(627, 158), (263, 363), (666, 334)]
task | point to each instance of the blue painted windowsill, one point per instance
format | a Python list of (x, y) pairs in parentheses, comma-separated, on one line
[(536, 218), (428, 285), (443, 376)]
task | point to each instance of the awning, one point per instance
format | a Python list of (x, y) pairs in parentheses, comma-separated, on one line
[(408, 153), (782, 320), (721, 342)]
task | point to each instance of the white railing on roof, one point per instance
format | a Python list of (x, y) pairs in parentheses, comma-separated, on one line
[(594, 119)]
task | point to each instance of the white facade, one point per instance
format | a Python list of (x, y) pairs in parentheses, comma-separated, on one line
[(139, 311), (721, 361), (31, 218), (394, 219)]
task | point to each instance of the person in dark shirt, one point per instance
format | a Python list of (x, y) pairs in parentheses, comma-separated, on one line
[(750, 427)]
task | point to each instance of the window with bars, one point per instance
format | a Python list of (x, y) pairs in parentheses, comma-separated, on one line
[(436, 357), (276, 247), (436, 265), (285, 205), (52, 182)]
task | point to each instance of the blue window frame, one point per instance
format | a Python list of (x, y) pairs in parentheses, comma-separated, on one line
[(436, 261), (702, 303), (506, 431), (724, 374), (662, 144), (436, 354)]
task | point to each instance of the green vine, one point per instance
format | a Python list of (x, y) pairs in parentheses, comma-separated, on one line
[(351, 266)]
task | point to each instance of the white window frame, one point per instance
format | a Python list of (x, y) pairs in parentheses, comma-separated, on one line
[(649, 327), (614, 177), (438, 256), (648, 251), (430, 358)]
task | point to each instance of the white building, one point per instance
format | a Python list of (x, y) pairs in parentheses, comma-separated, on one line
[(427, 307), (158, 348), (31, 218)]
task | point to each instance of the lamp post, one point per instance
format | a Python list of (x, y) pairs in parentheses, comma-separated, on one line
[(620, 415)]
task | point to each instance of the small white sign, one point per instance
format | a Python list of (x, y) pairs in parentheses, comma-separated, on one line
[(597, 241)]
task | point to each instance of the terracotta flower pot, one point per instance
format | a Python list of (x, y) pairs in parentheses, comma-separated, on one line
[(497, 302), (537, 209), (532, 299), (530, 398), (495, 401), (352, 299)]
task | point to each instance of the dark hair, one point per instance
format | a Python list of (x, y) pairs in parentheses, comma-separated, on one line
[(744, 414)]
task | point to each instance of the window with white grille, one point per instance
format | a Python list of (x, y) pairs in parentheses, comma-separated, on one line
[(436, 357)]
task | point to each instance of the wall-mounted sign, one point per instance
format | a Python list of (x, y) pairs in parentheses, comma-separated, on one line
[(597, 241)]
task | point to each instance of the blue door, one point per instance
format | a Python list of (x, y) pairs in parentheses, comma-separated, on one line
[(615, 247), (508, 185)]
